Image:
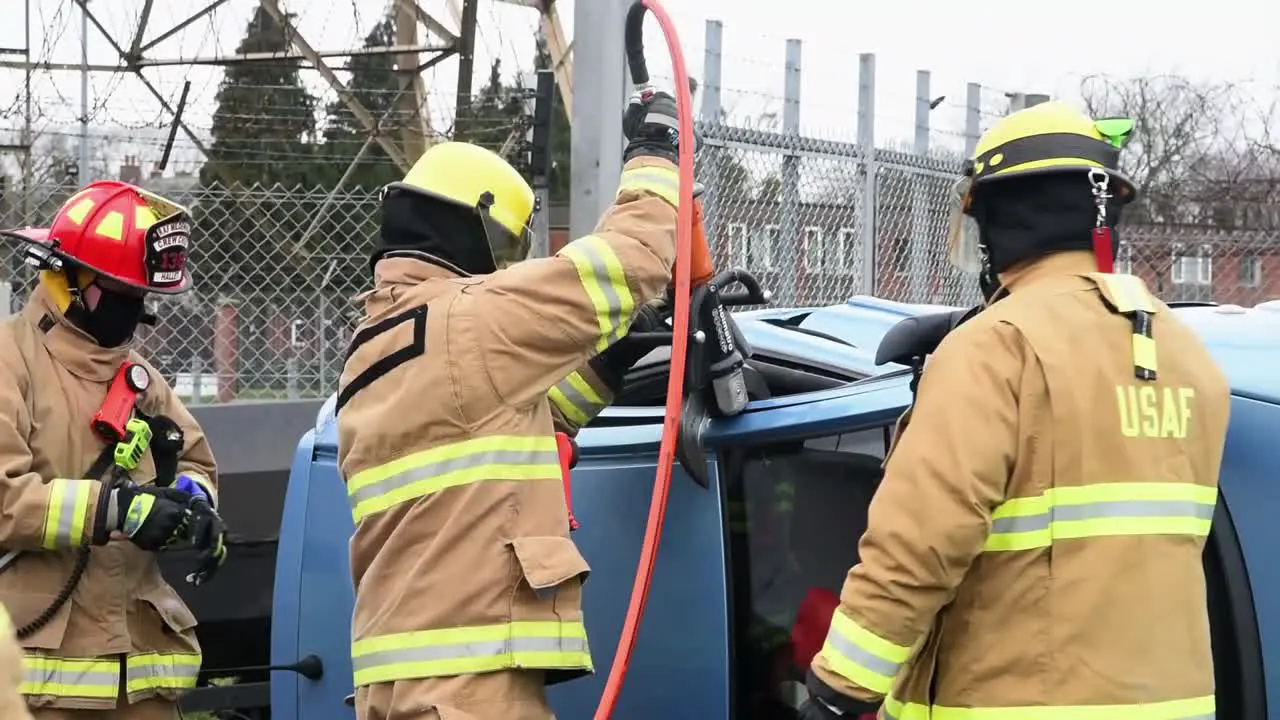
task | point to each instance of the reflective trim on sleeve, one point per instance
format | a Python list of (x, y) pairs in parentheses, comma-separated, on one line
[(469, 650), (94, 678), (1105, 509), (497, 457), (861, 656), (66, 513), (1198, 708), (575, 397), (606, 285), (663, 182), (161, 671)]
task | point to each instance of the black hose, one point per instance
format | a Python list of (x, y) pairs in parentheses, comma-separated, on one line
[(633, 39), (69, 587)]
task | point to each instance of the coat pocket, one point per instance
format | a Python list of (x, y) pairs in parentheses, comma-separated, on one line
[(25, 607), (175, 617), (553, 571)]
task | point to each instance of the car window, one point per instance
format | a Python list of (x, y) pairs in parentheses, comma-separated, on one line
[(795, 512)]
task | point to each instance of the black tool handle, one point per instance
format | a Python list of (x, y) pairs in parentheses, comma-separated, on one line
[(634, 41)]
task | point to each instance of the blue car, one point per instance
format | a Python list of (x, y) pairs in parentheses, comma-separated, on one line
[(744, 559)]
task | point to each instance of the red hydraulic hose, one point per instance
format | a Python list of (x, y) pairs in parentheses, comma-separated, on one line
[(679, 341)]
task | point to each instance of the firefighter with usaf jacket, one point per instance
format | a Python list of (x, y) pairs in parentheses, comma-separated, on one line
[(1034, 549), (468, 587), (101, 465)]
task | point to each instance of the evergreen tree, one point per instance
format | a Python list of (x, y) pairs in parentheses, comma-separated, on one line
[(375, 85), (263, 147), (264, 118), (493, 113)]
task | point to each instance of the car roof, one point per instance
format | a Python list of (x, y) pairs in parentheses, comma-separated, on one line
[(1244, 341)]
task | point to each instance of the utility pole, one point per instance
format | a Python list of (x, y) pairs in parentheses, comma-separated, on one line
[(466, 63), (540, 160), (413, 130), (84, 93)]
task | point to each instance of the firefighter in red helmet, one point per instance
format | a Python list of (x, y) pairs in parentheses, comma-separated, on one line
[(101, 466)]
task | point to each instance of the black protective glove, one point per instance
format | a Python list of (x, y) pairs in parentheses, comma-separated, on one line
[(151, 517), (652, 127), (207, 534), (825, 703), (612, 364)]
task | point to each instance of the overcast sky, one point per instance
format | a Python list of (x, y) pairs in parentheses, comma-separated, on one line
[(998, 43)]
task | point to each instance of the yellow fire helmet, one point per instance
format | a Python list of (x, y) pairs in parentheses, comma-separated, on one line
[(475, 177), (1051, 137)]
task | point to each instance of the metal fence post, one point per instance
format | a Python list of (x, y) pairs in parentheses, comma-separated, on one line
[(918, 257), (867, 144), (972, 117), (600, 91), (711, 167), (789, 205)]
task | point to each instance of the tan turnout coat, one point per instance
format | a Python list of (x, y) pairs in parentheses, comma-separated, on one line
[(122, 615), (461, 556), (1034, 551)]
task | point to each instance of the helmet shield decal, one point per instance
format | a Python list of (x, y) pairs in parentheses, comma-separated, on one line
[(167, 241), (167, 244)]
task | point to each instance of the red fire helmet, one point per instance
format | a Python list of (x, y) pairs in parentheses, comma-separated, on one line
[(121, 232)]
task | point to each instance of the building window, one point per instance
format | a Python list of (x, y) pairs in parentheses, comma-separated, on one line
[(1124, 258), (1192, 267), (763, 248), (847, 239), (1250, 271), (1204, 271), (737, 241), (815, 252)]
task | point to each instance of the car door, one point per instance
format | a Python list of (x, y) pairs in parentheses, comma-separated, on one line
[(797, 481)]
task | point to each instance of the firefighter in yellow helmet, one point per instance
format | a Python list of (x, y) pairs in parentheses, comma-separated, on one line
[(468, 587), (12, 706), (101, 466), (1034, 550)]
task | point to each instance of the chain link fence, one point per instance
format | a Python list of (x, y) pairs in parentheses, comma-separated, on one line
[(817, 221), (821, 221)]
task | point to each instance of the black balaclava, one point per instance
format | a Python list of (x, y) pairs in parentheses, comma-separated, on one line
[(115, 318), (1022, 218), (450, 234)]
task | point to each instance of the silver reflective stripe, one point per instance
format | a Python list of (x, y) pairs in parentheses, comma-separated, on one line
[(70, 678), (156, 670), (451, 465), (585, 407), (469, 650), (589, 250), (69, 507), (1103, 509), (857, 654), (662, 182)]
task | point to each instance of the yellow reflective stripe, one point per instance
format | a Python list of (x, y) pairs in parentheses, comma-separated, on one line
[(603, 278), (66, 512), (575, 397), (861, 656), (1130, 297), (161, 671), (1144, 352), (470, 650), (1104, 509), (62, 677), (496, 457), (1198, 708), (662, 182), (1127, 292)]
